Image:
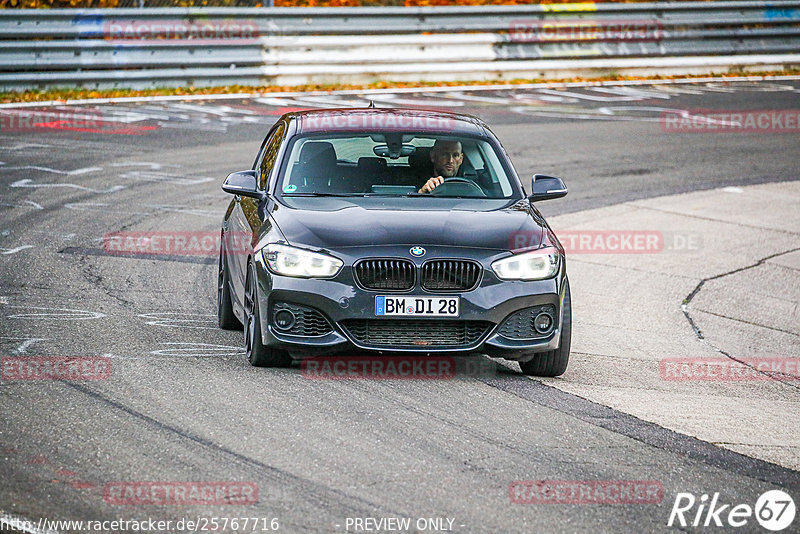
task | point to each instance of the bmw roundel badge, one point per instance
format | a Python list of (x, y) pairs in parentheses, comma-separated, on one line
[(417, 252)]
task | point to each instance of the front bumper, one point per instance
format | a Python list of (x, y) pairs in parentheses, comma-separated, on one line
[(340, 300)]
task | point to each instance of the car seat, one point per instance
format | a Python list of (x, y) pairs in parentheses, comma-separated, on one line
[(372, 171), (316, 167)]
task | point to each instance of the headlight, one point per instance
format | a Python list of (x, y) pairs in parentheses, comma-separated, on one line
[(534, 265), (297, 262)]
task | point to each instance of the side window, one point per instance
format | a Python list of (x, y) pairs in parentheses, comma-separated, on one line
[(270, 153)]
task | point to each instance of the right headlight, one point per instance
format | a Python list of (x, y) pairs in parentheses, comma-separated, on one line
[(533, 265), (298, 262)]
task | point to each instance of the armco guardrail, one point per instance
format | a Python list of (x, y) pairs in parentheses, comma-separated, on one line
[(255, 46)]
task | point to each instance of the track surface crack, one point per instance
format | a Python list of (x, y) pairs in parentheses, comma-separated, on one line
[(699, 333)]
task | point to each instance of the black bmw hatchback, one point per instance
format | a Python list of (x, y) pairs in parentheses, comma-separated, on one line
[(391, 231)]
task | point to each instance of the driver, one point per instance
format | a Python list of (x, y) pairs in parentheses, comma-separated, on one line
[(446, 157)]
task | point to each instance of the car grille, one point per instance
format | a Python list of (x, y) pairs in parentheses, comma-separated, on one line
[(450, 274), (388, 274), (519, 325), (308, 322), (416, 332), (437, 275)]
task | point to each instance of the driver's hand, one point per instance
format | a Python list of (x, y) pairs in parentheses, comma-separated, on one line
[(431, 184)]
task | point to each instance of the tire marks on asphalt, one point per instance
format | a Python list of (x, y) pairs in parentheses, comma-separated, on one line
[(313, 492), (651, 434)]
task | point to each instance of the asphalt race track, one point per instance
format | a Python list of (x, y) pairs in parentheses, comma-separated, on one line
[(181, 403)]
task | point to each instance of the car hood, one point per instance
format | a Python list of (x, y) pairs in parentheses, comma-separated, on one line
[(351, 224)]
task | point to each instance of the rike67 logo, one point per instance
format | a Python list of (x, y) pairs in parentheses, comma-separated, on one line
[(774, 510)]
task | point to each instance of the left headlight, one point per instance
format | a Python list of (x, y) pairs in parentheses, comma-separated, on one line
[(298, 262), (534, 265)]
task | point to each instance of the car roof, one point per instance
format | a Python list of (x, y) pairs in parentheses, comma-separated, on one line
[(386, 119)]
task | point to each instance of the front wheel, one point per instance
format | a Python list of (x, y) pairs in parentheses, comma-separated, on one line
[(257, 354), (554, 362)]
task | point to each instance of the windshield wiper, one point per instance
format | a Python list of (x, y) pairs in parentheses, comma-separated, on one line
[(321, 194), (439, 196)]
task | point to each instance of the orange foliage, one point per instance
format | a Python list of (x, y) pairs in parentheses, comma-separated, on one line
[(335, 3), (423, 3), (45, 4)]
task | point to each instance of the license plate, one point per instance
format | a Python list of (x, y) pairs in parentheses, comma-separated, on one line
[(417, 306)]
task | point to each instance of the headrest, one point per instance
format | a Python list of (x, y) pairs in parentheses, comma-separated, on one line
[(421, 158), (320, 151), (368, 164)]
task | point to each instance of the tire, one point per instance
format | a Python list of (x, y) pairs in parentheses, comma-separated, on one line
[(257, 354), (554, 362), (227, 319)]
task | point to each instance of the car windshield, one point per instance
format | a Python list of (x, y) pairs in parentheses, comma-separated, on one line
[(393, 164)]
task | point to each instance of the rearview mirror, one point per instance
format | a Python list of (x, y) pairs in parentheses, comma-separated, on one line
[(394, 151), (244, 183), (545, 187)]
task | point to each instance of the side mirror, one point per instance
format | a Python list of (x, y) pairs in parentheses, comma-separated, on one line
[(545, 187), (244, 183)]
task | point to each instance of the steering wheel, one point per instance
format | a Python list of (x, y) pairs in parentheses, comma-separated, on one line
[(459, 187)]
